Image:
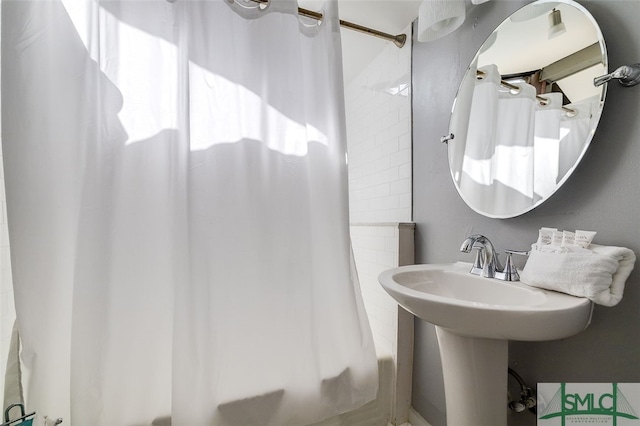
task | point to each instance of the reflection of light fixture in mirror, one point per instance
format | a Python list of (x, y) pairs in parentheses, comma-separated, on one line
[(556, 26), (437, 18)]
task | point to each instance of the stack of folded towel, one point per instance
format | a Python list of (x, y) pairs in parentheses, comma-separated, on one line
[(597, 272)]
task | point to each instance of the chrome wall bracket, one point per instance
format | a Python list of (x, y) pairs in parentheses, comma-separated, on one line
[(627, 75), (447, 138)]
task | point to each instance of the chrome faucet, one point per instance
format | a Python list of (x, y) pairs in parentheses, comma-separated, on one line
[(486, 263), (489, 263)]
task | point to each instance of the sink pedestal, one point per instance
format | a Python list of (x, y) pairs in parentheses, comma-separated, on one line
[(489, 313), (475, 379)]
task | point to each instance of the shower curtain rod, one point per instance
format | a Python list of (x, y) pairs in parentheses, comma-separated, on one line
[(399, 40)]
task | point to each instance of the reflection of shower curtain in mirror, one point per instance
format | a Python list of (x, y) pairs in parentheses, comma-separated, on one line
[(475, 181), (517, 149), (574, 131), (512, 169), (177, 201), (547, 138), (459, 126), (497, 172)]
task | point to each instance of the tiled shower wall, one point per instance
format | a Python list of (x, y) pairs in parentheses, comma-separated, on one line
[(378, 111), (378, 247)]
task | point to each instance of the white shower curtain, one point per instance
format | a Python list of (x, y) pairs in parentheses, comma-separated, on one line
[(177, 203), (546, 140)]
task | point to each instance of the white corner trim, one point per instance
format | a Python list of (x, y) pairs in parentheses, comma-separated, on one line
[(415, 419)]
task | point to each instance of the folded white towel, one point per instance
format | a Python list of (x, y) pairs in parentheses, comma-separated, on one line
[(598, 274)]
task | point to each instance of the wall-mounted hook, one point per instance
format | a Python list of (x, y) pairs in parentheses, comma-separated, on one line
[(627, 75)]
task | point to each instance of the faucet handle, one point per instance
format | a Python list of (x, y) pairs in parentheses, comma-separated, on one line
[(478, 263), (510, 273)]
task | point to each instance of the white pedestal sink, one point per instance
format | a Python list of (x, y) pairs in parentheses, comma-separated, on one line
[(475, 318)]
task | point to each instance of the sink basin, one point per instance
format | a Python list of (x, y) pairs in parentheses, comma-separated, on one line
[(475, 317), (447, 295)]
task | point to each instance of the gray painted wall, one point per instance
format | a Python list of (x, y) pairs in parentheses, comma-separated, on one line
[(602, 195)]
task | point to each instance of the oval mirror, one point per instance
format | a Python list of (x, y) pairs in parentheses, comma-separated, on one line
[(527, 108)]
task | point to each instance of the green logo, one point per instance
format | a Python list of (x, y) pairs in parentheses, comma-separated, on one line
[(588, 405)]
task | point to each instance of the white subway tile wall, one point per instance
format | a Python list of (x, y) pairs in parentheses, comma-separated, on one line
[(375, 249), (378, 111)]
